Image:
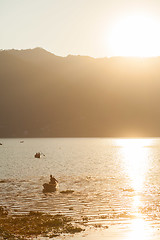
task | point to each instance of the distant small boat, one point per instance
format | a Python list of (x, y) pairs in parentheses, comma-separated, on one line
[(0, 143), (21, 141), (49, 187), (37, 155)]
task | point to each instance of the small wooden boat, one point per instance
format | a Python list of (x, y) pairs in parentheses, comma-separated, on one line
[(49, 187), (37, 155)]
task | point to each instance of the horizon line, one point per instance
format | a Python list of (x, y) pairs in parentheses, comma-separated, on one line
[(79, 55)]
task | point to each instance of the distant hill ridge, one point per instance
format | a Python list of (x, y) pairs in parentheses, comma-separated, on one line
[(44, 95)]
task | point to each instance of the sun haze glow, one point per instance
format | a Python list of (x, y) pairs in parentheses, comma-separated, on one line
[(136, 160), (136, 36)]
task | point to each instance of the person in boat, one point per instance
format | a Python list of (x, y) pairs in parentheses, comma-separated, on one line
[(53, 180)]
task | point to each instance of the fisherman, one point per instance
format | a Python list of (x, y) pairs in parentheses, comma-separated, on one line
[(53, 180)]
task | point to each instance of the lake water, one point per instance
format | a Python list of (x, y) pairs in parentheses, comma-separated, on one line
[(114, 180)]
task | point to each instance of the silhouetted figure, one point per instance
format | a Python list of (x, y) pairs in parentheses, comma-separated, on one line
[(51, 186), (53, 180)]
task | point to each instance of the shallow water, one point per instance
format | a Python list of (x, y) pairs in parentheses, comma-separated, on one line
[(114, 180)]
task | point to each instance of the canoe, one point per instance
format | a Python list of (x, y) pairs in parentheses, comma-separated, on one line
[(48, 187)]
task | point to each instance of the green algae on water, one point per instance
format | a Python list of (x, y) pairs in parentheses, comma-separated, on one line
[(35, 224)]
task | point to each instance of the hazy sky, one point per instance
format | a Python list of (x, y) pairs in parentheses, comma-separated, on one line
[(70, 26)]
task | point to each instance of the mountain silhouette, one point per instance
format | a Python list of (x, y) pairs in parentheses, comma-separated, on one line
[(44, 95)]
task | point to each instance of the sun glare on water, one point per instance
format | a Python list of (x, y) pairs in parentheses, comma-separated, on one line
[(135, 156), (136, 36)]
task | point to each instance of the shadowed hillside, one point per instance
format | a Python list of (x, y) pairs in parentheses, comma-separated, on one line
[(43, 95)]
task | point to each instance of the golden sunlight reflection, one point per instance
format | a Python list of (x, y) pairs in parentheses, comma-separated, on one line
[(136, 205), (136, 160), (140, 229)]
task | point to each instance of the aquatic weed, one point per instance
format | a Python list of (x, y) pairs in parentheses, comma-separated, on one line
[(34, 224), (3, 211)]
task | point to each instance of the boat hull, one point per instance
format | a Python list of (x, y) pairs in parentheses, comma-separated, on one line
[(47, 187)]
